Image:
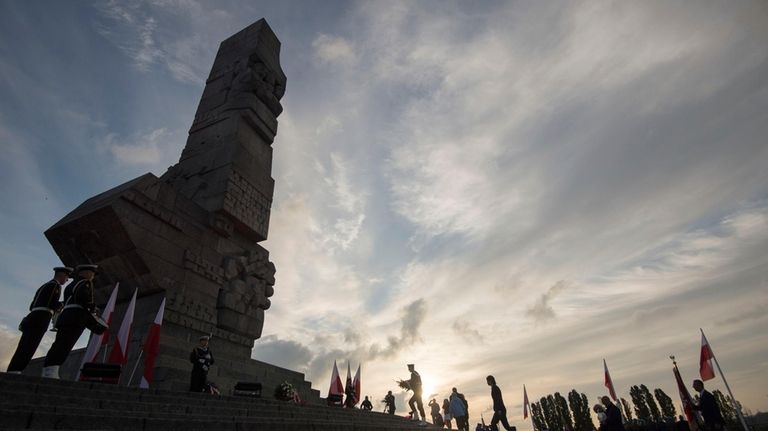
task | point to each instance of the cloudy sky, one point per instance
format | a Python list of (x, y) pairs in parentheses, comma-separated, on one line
[(510, 188)]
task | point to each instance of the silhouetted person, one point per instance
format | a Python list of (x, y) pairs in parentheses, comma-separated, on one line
[(414, 383), (682, 424), (77, 309), (201, 359), (713, 419), (349, 400), (601, 416), (447, 413), (366, 404), (499, 410), (459, 411), (612, 416), (33, 326), (434, 410), (389, 403)]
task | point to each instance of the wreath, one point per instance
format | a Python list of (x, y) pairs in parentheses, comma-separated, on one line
[(284, 391), (405, 384)]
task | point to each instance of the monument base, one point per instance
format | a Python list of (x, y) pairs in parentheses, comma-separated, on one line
[(169, 374)]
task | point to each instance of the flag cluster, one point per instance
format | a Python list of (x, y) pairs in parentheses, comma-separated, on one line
[(352, 389), (706, 371), (119, 353)]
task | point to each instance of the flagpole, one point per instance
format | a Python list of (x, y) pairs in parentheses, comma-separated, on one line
[(733, 399), (530, 410), (136, 365)]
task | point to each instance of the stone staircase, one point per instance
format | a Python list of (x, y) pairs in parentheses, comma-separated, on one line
[(41, 403)]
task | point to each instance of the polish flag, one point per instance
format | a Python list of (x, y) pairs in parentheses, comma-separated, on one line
[(336, 387), (609, 382), (685, 398), (97, 341), (356, 383), (705, 361), (152, 347), (107, 315), (119, 354), (526, 404)]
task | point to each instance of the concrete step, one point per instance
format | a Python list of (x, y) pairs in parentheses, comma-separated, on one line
[(48, 391), (39, 403)]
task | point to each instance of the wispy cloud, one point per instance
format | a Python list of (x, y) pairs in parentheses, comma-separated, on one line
[(157, 148), (134, 28), (542, 310), (333, 49)]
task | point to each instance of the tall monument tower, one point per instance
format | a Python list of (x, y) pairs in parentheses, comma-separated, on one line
[(192, 235)]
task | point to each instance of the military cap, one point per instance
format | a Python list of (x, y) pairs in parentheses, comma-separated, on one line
[(205, 337), (66, 269), (88, 267)]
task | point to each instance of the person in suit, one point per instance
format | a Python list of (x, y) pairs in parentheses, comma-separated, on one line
[(613, 420), (33, 326), (713, 419)]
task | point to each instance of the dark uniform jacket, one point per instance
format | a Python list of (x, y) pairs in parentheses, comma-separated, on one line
[(78, 303), (709, 410), (47, 296), (389, 400), (201, 359), (41, 309), (498, 403), (415, 382), (613, 419)]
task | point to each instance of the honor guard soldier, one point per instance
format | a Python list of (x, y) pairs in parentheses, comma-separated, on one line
[(78, 306), (34, 325), (201, 359)]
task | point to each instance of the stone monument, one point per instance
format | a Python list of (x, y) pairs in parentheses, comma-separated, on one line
[(191, 236)]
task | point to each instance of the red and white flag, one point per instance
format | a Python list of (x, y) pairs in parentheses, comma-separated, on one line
[(356, 384), (119, 354), (348, 386), (685, 398), (96, 341), (152, 347), (108, 318), (336, 387), (609, 382), (706, 370), (526, 404)]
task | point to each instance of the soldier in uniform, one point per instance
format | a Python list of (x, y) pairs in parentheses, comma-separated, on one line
[(416, 404), (78, 306), (389, 403), (201, 359), (33, 327)]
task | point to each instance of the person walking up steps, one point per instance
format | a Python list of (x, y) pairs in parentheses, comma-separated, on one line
[(499, 410), (416, 404)]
